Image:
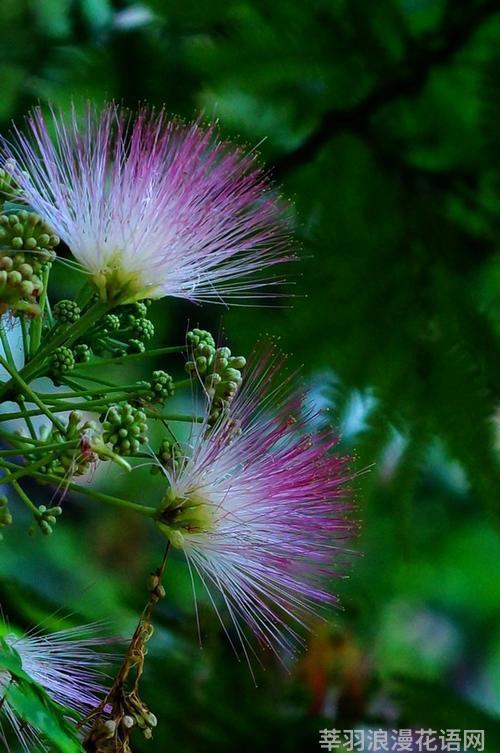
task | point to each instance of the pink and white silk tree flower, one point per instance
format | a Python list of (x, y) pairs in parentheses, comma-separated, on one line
[(66, 664), (152, 207), (260, 508)]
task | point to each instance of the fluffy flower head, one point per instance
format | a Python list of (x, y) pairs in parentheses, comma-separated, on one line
[(259, 508), (151, 207)]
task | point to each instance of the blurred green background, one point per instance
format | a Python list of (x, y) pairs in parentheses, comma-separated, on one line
[(381, 120)]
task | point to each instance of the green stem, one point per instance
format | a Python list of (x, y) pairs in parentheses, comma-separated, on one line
[(111, 343), (92, 406), (87, 378), (96, 406), (84, 294), (174, 417), (36, 324), (6, 345), (50, 318), (40, 448), (55, 396), (27, 501), (183, 383), (13, 438), (27, 419), (108, 499), (60, 336), (24, 470), (28, 392), (26, 339), (131, 356)]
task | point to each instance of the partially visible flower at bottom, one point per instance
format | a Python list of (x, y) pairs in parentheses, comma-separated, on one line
[(260, 507), (67, 666)]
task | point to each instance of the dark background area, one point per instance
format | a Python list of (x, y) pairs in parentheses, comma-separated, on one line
[(381, 121)]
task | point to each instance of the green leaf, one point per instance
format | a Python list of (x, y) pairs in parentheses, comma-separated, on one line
[(30, 702), (10, 661)]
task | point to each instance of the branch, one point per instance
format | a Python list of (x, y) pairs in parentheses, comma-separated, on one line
[(408, 79)]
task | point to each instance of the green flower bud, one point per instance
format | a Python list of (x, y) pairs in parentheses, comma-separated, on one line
[(143, 329), (169, 455), (8, 186), (125, 428), (45, 527), (238, 362), (110, 323), (62, 361), (66, 312), (136, 346), (162, 387), (27, 231), (82, 353), (5, 514)]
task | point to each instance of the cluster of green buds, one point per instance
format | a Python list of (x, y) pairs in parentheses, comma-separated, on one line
[(62, 361), (201, 345), (8, 186), (75, 460), (162, 387), (82, 353), (82, 444), (5, 514), (26, 243), (124, 331), (169, 456), (66, 312), (46, 518), (220, 370), (125, 428)]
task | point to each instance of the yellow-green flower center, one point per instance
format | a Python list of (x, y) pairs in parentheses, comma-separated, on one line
[(120, 286), (181, 516)]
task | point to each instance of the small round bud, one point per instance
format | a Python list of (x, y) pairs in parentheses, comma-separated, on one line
[(27, 288), (136, 346), (82, 353), (143, 329), (109, 727), (15, 277), (62, 361), (110, 323), (125, 428), (66, 312), (238, 362), (45, 527), (162, 387)]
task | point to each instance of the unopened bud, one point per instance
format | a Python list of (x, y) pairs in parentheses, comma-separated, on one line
[(109, 727), (45, 527), (153, 582)]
